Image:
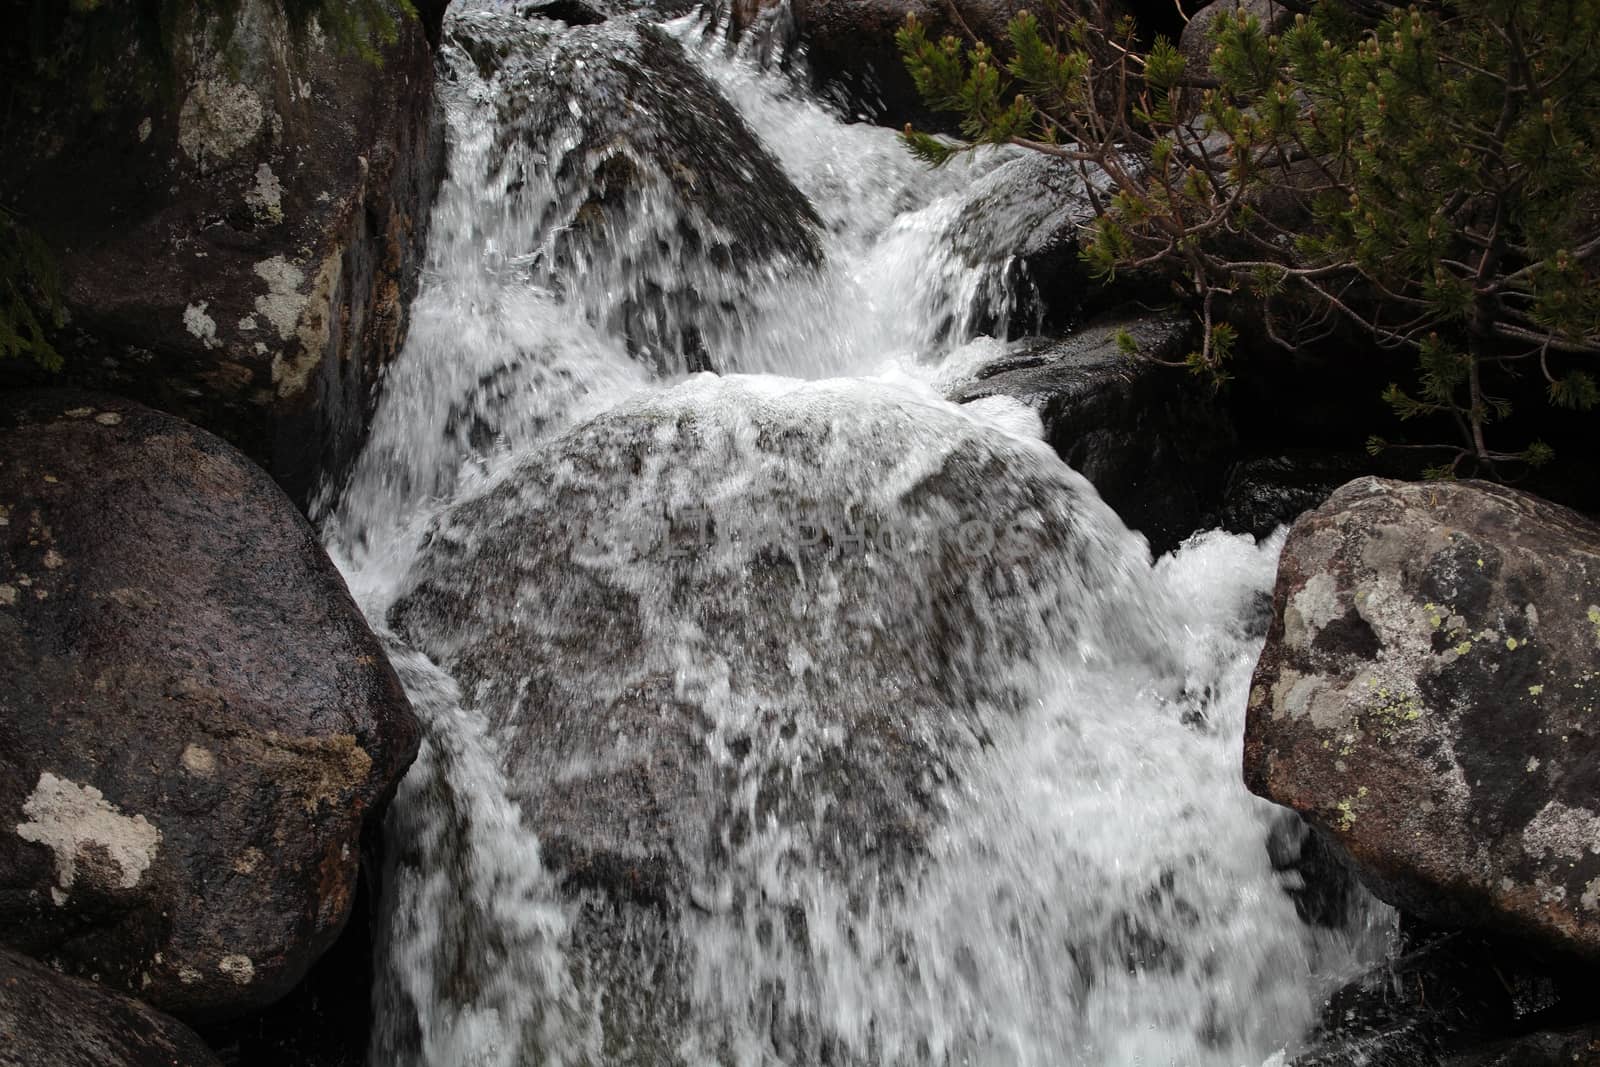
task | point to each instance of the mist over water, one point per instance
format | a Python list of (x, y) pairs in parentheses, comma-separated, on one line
[(776, 710)]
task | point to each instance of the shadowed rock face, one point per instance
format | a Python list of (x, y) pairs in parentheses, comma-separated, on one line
[(1154, 444), (238, 248), (640, 194), (196, 721), (50, 1020), (850, 51), (1428, 697)]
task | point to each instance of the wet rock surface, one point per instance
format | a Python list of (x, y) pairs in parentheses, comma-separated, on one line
[(1453, 1000), (674, 756), (1426, 698), (1155, 445), (50, 1020), (238, 244), (197, 722), (643, 144)]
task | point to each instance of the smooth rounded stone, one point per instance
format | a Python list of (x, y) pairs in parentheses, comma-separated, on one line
[(1427, 699), (649, 203), (731, 643), (1155, 445), (196, 722), (50, 1020), (239, 244)]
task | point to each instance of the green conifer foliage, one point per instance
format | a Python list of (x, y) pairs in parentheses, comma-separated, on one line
[(1444, 167)]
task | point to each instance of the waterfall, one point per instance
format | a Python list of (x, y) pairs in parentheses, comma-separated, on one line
[(777, 710)]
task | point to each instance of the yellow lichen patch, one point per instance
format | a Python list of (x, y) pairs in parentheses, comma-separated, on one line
[(1347, 810), (323, 770)]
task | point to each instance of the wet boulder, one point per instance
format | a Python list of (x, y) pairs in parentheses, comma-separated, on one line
[(849, 47), (236, 207), (197, 721), (1020, 222), (1155, 443), (731, 643), (50, 1020), (649, 203), (1448, 1000), (1426, 698)]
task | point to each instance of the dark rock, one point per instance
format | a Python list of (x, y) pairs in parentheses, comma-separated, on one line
[(1152, 440), (853, 674), (1267, 492), (239, 247), (198, 720), (1426, 698), (1577, 1047), (50, 1020), (1450, 1000), (850, 51), (572, 12), (325, 1020), (653, 207), (1319, 878)]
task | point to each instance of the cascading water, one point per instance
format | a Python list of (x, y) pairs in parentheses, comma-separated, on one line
[(790, 715)]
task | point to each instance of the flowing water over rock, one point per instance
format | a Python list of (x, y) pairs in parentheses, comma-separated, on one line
[(790, 715)]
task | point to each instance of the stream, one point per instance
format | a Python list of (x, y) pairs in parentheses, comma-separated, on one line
[(777, 710)]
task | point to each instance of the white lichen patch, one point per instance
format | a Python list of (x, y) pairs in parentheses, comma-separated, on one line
[(52, 560), (217, 119), (8, 595), (111, 418), (199, 760), (291, 372), (247, 323), (1562, 831), (283, 301), (237, 967), (144, 130), (1591, 895), (1310, 609), (201, 325), (265, 197), (68, 819)]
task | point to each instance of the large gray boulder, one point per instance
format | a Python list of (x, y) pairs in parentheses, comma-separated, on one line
[(50, 1020), (1427, 699), (730, 643), (237, 218), (196, 722)]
